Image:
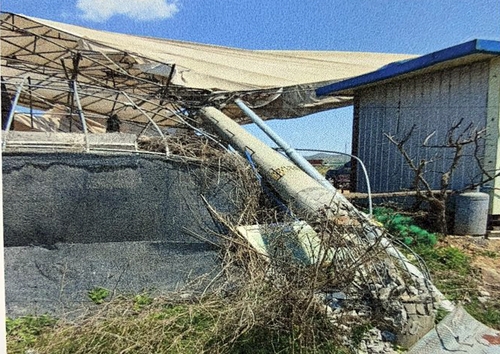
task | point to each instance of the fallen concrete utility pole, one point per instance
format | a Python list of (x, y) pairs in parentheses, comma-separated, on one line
[(304, 193), (293, 185), (289, 151)]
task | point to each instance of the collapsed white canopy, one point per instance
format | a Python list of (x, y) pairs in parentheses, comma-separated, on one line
[(136, 75)]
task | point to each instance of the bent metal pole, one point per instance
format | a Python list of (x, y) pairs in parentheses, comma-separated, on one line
[(302, 191)]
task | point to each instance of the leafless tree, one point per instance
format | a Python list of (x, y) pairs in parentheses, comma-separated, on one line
[(456, 140)]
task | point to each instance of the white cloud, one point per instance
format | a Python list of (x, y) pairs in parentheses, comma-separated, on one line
[(143, 10)]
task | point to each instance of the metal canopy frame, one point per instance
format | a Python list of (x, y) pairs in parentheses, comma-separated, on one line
[(102, 76), (106, 82)]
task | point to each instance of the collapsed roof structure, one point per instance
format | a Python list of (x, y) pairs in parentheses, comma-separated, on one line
[(143, 79)]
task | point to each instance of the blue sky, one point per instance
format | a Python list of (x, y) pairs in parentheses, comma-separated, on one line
[(390, 26)]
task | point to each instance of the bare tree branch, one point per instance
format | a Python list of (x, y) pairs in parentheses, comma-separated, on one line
[(456, 139), (426, 140)]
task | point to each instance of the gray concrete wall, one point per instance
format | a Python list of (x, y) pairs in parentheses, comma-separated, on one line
[(76, 221)]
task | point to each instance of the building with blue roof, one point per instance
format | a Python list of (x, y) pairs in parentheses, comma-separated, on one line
[(428, 95)]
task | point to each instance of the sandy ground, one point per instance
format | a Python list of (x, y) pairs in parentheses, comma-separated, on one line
[(485, 254)]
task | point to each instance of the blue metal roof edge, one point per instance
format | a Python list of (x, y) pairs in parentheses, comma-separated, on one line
[(402, 67)]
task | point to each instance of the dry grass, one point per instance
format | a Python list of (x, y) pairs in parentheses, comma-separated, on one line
[(123, 326)]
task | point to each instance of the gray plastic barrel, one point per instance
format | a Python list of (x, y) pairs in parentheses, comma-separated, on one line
[(471, 213)]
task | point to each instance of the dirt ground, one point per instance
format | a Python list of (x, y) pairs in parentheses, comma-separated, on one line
[(485, 255)]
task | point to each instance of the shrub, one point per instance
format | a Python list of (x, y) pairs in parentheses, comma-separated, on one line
[(403, 227)]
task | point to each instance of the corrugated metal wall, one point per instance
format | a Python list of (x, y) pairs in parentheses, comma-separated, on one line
[(434, 102)]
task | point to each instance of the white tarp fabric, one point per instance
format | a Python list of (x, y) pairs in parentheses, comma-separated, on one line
[(279, 84), (229, 69)]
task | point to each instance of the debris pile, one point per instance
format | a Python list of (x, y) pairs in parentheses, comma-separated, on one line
[(182, 144), (321, 278), (328, 287)]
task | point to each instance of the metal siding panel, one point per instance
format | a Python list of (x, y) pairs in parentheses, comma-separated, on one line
[(478, 104), (434, 125), (411, 115), (444, 110), (376, 134), (362, 112), (453, 116), (391, 175), (492, 147), (364, 115), (465, 171), (433, 114), (370, 113), (374, 154), (460, 178), (433, 102), (410, 98), (366, 145), (406, 97), (425, 127), (471, 174)]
